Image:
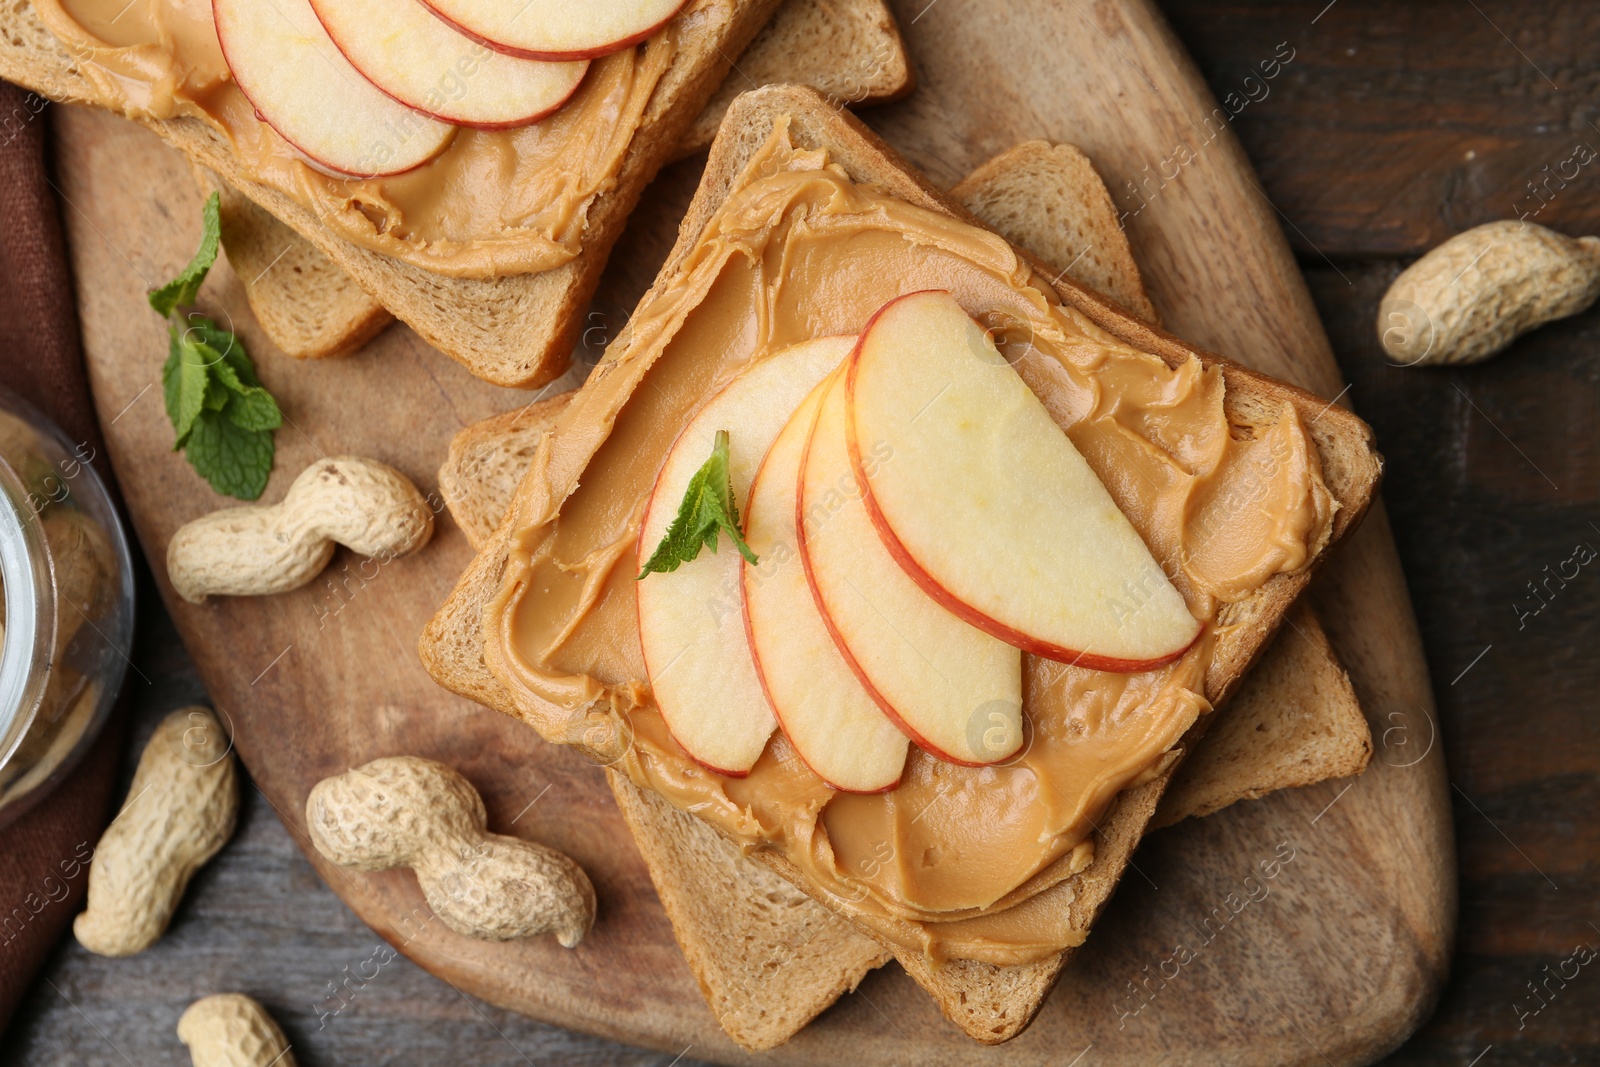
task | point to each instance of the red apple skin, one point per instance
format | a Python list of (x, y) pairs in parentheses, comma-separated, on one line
[(513, 124), (746, 572), (315, 163), (838, 638), (966, 612), (697, 760), (641, 556), (490, 127), (524, 53)]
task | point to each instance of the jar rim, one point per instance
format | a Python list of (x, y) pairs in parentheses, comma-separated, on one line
[(28, 591)]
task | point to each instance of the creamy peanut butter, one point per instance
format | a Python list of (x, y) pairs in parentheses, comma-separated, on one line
[(955, 861), (493, 203)]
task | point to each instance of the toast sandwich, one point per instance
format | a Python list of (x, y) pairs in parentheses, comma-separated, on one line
[(850, 50), (992, 1001), (1294, 721), (513, 329)]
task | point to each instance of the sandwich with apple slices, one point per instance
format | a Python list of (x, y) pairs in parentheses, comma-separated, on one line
[(767, 958), (1233, 486), (849, 49), (469, 174)]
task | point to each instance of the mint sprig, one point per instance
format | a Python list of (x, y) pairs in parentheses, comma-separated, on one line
[(707, 511), (186, 286), (222, 416)]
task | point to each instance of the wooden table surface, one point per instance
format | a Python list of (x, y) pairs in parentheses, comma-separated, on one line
[(1386, 131)]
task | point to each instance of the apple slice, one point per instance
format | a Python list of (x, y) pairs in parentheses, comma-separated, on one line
[(691, 620), (557, 29), (987, 505), (400, 47), (302, 86), (953, 689), (823, 708)]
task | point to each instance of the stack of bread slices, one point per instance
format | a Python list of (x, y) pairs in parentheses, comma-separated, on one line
[(767, 963)]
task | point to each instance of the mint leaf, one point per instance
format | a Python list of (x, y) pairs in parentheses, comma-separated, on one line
[(249, 407), (186, 286), (708, 510), (172, 393), (236, 461), (184, 382), (222, 416), (226, 345), (216, 392), (255, 410)]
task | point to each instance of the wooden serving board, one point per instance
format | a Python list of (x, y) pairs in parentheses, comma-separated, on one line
[(1333, 960)]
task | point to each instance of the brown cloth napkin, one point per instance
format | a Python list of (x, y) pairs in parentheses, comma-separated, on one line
[(40, 359)]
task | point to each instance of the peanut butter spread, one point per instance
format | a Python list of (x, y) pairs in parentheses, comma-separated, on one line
[(493, 203), (959, 862)]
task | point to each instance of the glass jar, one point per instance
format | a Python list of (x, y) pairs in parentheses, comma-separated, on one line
[(67, 622)]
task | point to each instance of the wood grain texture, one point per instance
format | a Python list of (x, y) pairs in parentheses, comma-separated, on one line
[(1339, 137), (1476, 521), (1338, 959)]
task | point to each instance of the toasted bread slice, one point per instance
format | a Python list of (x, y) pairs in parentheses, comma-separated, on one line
[(1295, 721), (768, 963), (453, 644), (849, 49), (487, 461), (1049, 200), (513, 331), (768, 958)]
